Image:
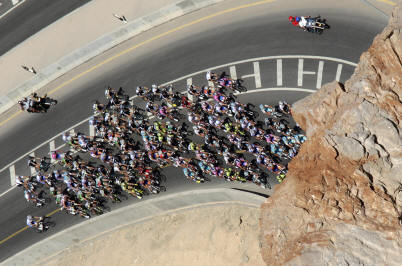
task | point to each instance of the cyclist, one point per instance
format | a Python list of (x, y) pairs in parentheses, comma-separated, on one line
[(33, 221)]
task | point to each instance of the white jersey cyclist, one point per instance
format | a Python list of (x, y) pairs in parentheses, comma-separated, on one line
[(30, 221), (208, 75)]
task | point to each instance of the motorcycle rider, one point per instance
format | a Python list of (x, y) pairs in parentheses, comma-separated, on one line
[(34, 103), (29, 105), (304, 22), (308, 22), (294, 20)]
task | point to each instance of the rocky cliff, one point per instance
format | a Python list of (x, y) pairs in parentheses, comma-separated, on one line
[(341, 203)]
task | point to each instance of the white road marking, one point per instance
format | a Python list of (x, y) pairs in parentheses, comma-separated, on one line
[(11, 167), (197, 73), (11, 9), (319, 74), (338, 72), (233, 73), (275, 89), (279, 72), (33, 171), (191, 75), (210, 83), (189, 83), (40, 145), (256, 66), (265, 58), (301, 72), (72, 132), (8, 190), (52, 148), (256, 75), (12, 175), (61, 146), (91, 130), (14, 2)]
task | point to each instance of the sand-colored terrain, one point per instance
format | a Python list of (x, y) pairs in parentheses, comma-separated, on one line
[(213, 235)]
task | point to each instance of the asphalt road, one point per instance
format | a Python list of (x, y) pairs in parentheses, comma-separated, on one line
[(247, 36), (30, 17), (255, 37)]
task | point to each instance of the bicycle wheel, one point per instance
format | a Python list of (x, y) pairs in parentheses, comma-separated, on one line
[(116, 199), (255, 114), (268, 185), (106, 208), (161, 177), (124, 196), (241, 88), (180, 116), (49, 224)]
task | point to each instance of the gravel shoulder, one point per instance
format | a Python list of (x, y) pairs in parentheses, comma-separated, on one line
[(225, 234)]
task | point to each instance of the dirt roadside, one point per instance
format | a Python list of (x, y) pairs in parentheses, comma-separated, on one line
[(213, 235)]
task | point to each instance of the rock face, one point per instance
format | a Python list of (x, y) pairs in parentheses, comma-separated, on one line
[(341, 203)]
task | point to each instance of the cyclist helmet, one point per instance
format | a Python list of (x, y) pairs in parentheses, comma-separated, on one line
[(291, 18)]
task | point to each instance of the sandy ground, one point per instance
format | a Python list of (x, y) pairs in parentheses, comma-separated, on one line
[(213, 235)]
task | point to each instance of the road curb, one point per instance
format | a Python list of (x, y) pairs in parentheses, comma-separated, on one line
[(101, 45), (135, 213)]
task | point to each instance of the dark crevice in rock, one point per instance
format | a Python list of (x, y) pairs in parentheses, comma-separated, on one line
[(370, 177), (346, 175), (381, 146)]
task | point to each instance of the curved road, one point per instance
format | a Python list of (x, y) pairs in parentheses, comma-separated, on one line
[(252, 32), (30, 17)]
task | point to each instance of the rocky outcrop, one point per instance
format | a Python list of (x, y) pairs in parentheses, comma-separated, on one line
[(341, 203)]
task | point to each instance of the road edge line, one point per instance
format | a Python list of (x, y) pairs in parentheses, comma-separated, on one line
[(11, 9), (101, 45), (148, 209)]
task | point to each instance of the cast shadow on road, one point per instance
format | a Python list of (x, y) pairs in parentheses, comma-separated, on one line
[(254, 192)]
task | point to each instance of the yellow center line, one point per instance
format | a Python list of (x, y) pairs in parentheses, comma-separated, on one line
[(53, 212), (26, 227), (156, 38), (10, 117), (142, 44), (392, 3), (123, 53), (12, 235)]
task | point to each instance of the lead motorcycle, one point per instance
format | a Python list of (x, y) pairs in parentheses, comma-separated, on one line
[(36, 104), (313, 25)]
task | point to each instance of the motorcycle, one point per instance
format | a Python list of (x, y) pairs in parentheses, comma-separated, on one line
[(36, 104), (316, 25), (313, 25)]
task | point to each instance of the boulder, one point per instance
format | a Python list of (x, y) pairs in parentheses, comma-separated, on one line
[(341, 202)]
